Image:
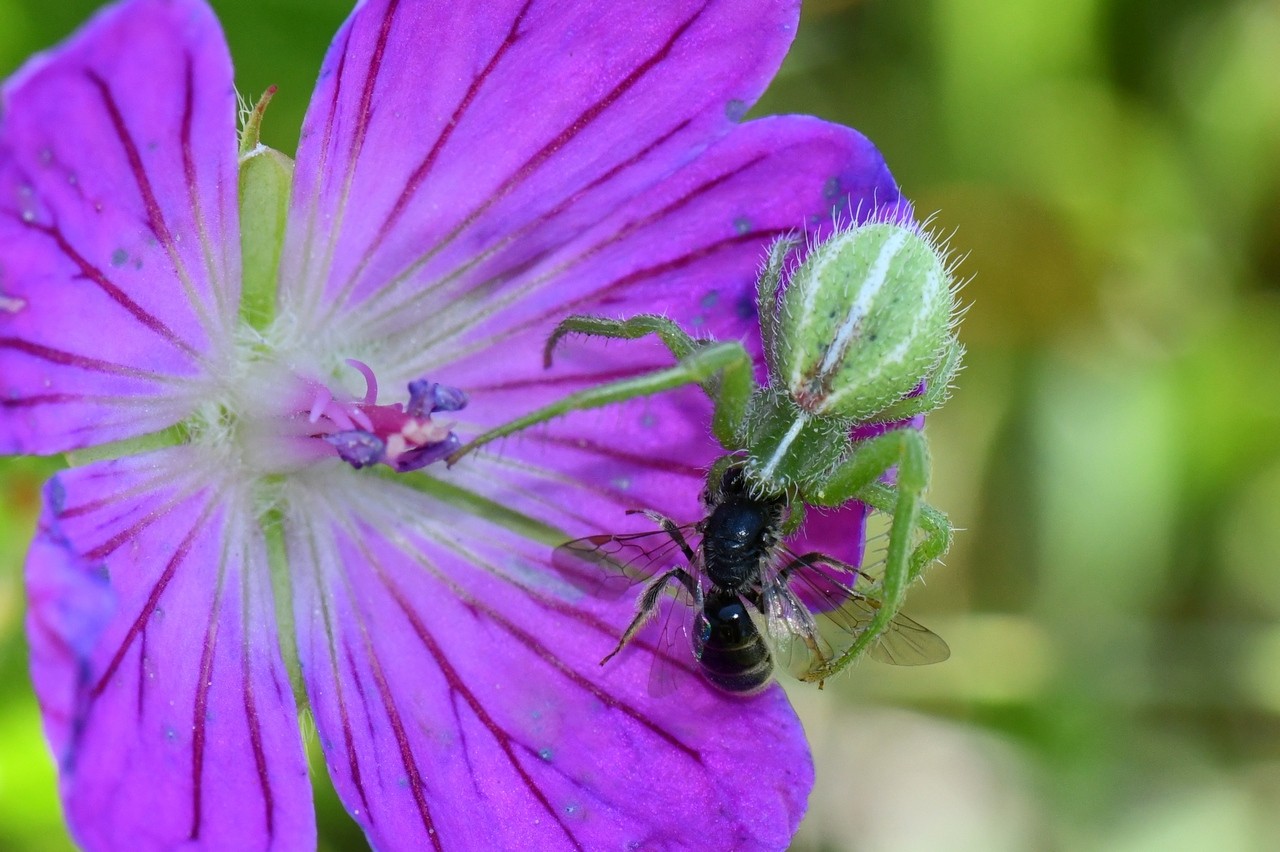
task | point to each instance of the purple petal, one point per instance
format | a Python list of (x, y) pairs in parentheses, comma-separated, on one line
[(119, 254), (679, 253), (448, 680), (156, 662), (444, 135), (691, 247)]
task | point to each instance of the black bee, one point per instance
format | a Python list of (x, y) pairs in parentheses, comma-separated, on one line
[(739, 578)]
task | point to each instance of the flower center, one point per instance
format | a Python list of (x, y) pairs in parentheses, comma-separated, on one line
[(404, 437), (277, 421)]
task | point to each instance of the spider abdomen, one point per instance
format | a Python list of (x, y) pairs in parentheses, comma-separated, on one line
[(862, 320)]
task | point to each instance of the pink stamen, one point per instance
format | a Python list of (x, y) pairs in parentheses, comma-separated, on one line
[(323, 397), (339, 416), (362, 419)]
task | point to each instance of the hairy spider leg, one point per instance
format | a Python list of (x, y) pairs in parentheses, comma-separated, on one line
[(858, 478), (729, 390), (937, 387), (723, 370)]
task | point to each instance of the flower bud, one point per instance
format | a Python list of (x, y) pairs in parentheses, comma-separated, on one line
[(864, 319)]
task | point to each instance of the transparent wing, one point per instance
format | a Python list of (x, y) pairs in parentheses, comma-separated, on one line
[(665, 567), (674, 667), (794, 637), (825, 616), (607, 565)]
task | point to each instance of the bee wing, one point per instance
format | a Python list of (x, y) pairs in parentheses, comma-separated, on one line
[(794, 637), (840, 614), (672, 665), (606, 565), (819, 582)]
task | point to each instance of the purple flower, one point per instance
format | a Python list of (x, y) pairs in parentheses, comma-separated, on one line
[(468, 174)]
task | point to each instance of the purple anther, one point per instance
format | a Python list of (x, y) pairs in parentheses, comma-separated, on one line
[(420, 457), (358, 448), (447, 398), (425, 396), (420, 401)]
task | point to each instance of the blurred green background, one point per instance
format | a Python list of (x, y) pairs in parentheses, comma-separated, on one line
[(1112, 171)]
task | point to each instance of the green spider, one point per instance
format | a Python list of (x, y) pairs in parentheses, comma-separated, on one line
[(863, 333)]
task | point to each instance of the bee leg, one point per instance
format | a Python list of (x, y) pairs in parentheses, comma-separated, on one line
[(670, 528), (858, 478), (647, 603)]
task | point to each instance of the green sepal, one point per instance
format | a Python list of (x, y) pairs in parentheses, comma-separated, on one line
[(171, 437), (272, 524), (265, 181), (266, 177)]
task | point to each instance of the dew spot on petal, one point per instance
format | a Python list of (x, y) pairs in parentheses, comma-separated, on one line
[(621, 483), (710, 299), (546, 754), (119, 257), (46, 155), (12, 304), (741, 225), (831, 189), (170, 734), (735, 109)]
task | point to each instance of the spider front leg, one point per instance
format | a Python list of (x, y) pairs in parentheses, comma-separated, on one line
[(673, 336), (724, 370), (858, 478), (729, 390)]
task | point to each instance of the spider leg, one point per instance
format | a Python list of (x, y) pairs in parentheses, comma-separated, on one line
[(858, 478), (937, 386), (701, 367), (729, 388), (723, 370), (767, 295), (672, 335)]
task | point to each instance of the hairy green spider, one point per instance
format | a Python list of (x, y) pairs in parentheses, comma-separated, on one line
[(862, 334)]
